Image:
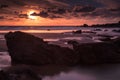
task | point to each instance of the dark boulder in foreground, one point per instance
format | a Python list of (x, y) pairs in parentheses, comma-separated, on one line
[(98, 53), (19, 74), (28, 49)]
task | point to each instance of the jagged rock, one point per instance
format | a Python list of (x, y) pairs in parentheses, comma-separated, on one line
[(28, 49)]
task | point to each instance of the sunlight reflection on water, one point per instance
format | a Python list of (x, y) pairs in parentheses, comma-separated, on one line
[(37, 31)]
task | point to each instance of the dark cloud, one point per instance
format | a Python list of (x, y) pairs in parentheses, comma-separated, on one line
[(57, 10), (46, 15), (43, 14), (23, 16), (115, 9), (102, 13), (3, 6), (2, 17), (83, 9), (110, 3)]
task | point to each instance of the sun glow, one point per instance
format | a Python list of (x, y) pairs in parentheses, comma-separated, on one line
[(32, 17)]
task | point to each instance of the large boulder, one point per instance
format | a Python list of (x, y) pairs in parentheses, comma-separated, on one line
[(98, 53), (21, 73), (28, 49)]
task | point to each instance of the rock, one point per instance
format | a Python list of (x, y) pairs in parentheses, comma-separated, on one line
[(98, 29), (116, 41), (98, 53), (4, 76), (21, 73), (103, 35), (105, 39), (72, 42), (105, 30), (118, 31), (77, 32), (28, 49)]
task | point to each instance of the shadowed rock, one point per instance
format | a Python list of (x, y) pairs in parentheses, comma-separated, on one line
[(4, 76), (28, 49), (22, 73), (98, 53)]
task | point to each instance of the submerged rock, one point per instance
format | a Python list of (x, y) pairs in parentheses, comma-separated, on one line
[(105, 39), (77, 32), (28, 49), (118, 31)]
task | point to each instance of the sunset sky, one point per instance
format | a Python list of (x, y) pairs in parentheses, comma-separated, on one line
[(58, 12)]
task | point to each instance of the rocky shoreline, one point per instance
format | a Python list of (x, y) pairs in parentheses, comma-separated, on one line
[(29, 50)]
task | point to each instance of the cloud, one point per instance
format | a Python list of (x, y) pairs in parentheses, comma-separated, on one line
[(2, 17), (58, 3), (3, 6), (61, 8), (23, 16), (110, 3), (57, 10), (83, 9), (102, 13), (46, 15), (115, 9)]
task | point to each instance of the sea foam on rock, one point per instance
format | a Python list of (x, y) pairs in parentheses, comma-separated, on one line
[(28, 49)]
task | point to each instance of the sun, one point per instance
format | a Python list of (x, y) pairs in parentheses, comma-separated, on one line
[(30, 16)]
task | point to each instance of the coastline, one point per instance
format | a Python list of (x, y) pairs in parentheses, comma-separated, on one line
[(52, 71)]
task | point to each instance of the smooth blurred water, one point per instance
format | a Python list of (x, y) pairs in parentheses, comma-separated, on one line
[(99, 72), (96, 72), (5, 59)]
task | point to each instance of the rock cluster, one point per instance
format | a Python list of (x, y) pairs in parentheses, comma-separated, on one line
[(28, 49)]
